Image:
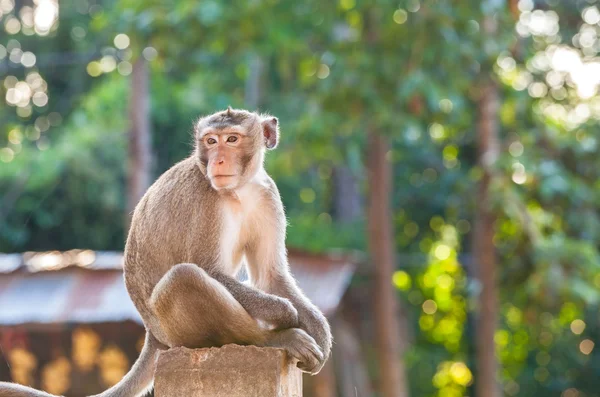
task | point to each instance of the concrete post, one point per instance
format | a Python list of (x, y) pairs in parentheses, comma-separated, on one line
[(229, 371)]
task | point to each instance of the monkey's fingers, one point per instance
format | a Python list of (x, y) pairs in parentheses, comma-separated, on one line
[(286, 316), (278, 312)]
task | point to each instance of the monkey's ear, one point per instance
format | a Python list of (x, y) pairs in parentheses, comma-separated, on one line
[(270, 127)]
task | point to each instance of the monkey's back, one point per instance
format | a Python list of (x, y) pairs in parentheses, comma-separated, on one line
[(173, 223)]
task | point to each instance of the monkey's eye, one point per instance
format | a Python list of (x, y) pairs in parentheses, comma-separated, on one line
[(232, 138), (211, 141)]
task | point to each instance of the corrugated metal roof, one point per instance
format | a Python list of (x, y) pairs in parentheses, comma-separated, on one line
[(66, 296), (83, 286), (55, 260)]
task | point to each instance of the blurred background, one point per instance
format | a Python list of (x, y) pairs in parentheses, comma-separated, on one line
[(438, 163)]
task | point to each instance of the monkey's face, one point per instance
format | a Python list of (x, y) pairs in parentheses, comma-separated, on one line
[(231, 145), (226, 154)]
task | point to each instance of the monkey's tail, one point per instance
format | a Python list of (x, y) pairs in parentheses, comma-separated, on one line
[(137, 381), (15, 390)]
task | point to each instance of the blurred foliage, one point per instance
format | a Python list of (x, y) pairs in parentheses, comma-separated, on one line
[(331, 71)]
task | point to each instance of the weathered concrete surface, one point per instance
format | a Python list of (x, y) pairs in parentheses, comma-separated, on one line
[(229, 371)]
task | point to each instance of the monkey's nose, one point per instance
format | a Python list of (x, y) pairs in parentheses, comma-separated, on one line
[(221, 162)]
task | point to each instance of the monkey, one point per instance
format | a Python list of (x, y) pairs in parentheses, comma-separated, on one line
[(194, 229)]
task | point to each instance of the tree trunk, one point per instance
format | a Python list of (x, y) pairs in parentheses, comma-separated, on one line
[(139, 150), (253, 93), (392, 377), (346, 196), (486, 384)]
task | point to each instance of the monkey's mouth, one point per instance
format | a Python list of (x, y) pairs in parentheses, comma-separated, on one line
[(223, 176)]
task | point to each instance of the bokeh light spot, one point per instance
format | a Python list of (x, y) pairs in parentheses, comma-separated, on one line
[(12, 25), (461, 374), (577, 326), (516, 149), (586, 346), (323, 71), (149, 53), (307, 195), (442, 252), (429, 306), (94, 69), (446, 105), (124, 68), (28, 59), (6, 155), (401, 280), (121, 41), (400, 16)]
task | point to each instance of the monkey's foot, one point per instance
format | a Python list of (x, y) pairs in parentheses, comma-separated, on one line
[(301, 346)]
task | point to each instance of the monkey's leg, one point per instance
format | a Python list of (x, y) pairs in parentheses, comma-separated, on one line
[(296, 341), (195, 310), (310, 319)]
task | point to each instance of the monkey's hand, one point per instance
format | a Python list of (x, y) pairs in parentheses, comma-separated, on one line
[(276, 311), (272, 309), (300, 345)]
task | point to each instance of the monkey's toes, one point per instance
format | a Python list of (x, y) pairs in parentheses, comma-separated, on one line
[(312, 364), (305, 349)]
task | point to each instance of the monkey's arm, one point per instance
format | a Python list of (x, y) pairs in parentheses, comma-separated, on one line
[(278, 311), (269, 271), (310, 318)]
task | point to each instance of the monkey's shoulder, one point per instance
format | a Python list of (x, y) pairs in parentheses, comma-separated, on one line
[(262, 186), (179, 193), (260, 197), (183, 179)]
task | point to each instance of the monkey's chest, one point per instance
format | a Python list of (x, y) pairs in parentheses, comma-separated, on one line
[(233, 237)]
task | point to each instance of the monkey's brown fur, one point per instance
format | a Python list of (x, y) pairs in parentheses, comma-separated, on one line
[(190, 235)]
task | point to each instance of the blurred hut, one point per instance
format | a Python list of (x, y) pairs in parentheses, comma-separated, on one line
[(67, 324)]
